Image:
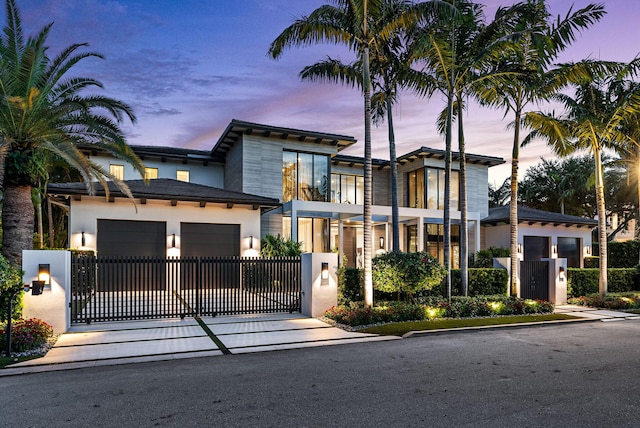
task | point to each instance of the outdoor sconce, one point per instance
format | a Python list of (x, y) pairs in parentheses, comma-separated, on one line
[(588, 248), (561, 274), (325, 270), (382, 242), (44, 273), (519, 248), (251, 242), (554, 249), (173, 241), (83, 242)]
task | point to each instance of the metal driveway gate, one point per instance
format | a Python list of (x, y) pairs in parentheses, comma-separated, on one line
[(127, 288), (534, 280)]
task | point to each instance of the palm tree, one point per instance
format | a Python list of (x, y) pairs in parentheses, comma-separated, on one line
[(351, 23), (537, 43), (594, 120), (459, 62), (43, 111)]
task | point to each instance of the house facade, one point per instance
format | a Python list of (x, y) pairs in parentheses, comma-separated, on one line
[(260, 180)]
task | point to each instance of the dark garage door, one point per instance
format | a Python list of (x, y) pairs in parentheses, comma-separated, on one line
[(132, 238), (119, 239), (209, 240)]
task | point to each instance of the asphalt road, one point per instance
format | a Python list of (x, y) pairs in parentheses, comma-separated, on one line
[(576, 375)]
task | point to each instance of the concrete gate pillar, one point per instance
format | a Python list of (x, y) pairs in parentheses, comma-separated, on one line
[(557, 281), (319, 283)]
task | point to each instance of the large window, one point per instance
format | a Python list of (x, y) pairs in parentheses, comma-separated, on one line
[(431, 194), (313, 233), (347, 189), (150, 173), (305, 177), (434, 241)]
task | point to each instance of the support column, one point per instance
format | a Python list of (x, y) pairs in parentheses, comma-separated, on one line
[(319, 283)]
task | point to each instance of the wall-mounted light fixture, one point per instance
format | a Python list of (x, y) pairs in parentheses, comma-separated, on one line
[(588, 248), (382, 242), (325, 270), (251, 242), (83, 241), (44, 273), (561, 275), (519, 248), (173, 240), (554, 249)]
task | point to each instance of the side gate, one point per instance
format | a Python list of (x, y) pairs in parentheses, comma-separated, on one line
[(534, 280), (118, 288)]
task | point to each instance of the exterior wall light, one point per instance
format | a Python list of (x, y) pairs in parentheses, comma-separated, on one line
[(251, 242), (44, 273), (519, 248), (325, 270), (173, 240), (382, 242), (554, 249), (83, 241)]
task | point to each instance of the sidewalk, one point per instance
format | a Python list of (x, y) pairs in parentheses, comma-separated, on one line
[(128, 342)]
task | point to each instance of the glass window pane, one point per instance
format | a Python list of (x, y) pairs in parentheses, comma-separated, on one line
[(412, 238), (455, 190), (182, 175), (117, 171), (411, 189), (348, 189), (150, 173), (320, 177), (305, 234), (305, 177), (335, 188), (286, 227), (441, 183), (359, 190), (289, 173), (320, 235), (432, 189)]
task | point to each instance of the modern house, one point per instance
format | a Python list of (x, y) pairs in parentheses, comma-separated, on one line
[(258, 180)]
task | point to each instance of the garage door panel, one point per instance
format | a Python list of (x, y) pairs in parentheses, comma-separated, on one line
[(132, 238), (209, 240)]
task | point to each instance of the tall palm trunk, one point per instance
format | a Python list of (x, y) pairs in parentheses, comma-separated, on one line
[(17, 222), (366, 83), (447, 194), (602, 221), (395, 223), (464, 221), (36, 199), (513, 205)]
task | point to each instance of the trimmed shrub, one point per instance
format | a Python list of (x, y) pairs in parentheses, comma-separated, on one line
[(406, 273), (592, 262), (350, 285), (619, 254), (10, 285), (427, 308), (484, 258), (482, 282), (622, 301), (26, 334), (583, 282)]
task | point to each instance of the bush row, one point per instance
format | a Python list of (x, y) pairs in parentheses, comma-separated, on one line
[(623, 301), (429, 308), (582, 282), (482, 282), (619, 254)]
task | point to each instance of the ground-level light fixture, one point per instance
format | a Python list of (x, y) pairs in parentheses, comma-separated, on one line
[(44, 273)]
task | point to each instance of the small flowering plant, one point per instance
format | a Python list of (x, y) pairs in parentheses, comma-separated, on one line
[(26, 334)]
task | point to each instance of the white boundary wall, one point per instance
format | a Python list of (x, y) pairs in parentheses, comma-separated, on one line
[(319, 294), (52, 306)]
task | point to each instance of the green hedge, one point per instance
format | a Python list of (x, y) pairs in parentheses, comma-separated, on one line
[(619, 255), (582, 282)]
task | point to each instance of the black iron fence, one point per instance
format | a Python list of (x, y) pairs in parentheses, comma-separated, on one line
[(125, 288)]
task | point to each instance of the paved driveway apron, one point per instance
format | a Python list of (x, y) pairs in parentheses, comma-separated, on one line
[(153, 340)]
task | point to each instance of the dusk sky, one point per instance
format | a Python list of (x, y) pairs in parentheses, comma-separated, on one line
[(188, 67)]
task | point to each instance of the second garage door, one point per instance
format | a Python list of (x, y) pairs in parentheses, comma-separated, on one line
[(209, 240)]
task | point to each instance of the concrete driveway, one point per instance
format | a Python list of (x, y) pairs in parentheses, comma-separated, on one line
[(127, 342)]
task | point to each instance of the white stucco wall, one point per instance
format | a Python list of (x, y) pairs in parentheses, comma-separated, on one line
[(84, 215)]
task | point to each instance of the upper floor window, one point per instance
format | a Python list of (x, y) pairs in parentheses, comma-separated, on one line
[(117, 171), (426, 188), (150, 173), (182, 175), (305, 176), (347, 189)]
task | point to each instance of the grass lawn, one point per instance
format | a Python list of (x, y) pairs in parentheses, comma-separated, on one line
[(400, 328), (5, 361)]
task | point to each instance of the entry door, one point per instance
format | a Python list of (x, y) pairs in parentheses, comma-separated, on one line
[(349, 240)]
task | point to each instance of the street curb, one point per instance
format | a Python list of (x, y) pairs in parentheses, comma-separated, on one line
[(495, 327)]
